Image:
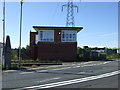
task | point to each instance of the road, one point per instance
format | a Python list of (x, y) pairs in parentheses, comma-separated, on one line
[(94, 74)]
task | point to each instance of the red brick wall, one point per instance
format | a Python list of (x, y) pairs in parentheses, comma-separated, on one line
[(32, 38), (66, 51), (57, 51), (57, 35)]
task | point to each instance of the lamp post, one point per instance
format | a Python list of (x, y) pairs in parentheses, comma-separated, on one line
[(19, 53), (3, 55)]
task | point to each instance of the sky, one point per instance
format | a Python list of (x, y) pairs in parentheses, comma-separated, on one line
[(98, 19)]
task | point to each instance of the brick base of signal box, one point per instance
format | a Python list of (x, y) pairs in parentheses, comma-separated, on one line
[(57, 51)]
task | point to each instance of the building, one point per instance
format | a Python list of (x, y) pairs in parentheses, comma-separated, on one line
[(54, 43), (97, 49), (118, 51)]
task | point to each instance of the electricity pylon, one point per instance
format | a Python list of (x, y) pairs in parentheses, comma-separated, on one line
[(70, 22)]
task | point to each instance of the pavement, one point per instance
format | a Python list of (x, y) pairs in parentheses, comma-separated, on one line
[(61, 65), (93, 74)]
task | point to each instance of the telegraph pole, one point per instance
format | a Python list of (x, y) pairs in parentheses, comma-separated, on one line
[(3, 56), (70, 13), (19, 53)]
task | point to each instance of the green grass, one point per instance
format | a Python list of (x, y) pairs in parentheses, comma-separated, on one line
[(31, 61), (113, 56), (28, 67), (14, 67), (38, 61)]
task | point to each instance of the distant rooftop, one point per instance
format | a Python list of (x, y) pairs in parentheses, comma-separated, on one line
[(56, 27)]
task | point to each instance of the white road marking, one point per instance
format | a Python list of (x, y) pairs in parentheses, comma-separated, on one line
[(87, 62), (61, 68), (81, 73), (106, 62), (77, 66), (26, 72), (9, 70), (66, 68), (72, 81), (73, 66), (42, 71), (50, 79), (96, 64), (45, 67)]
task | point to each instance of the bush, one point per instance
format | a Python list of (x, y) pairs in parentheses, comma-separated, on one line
[(113, 56), (34, 66), (49, 61)]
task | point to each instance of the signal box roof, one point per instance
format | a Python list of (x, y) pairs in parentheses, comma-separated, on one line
[(37, 28)]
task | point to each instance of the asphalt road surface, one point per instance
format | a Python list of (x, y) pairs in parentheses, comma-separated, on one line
[(94, 74)]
